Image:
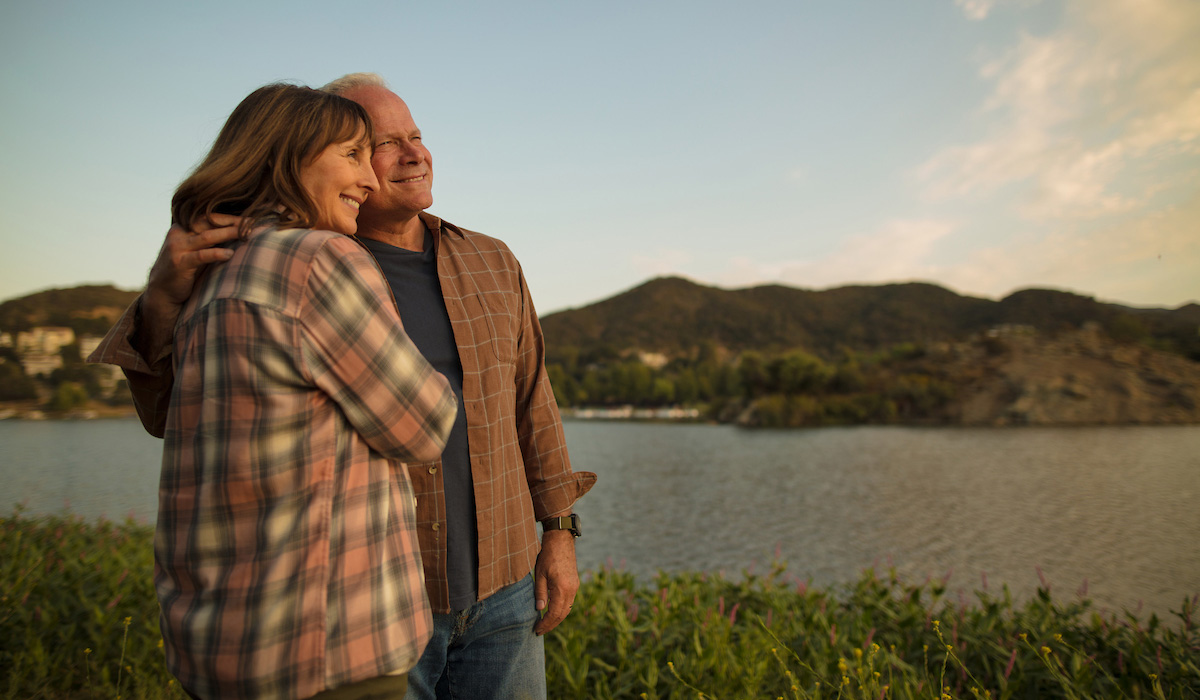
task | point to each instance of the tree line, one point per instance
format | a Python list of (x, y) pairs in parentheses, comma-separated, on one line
[(787, 388)]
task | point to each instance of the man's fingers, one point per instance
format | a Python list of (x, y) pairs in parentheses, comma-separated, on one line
[(203, 257), (214, 236), (539, 592)]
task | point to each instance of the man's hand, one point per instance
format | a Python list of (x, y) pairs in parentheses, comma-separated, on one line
[(555, 579), (180, 260)]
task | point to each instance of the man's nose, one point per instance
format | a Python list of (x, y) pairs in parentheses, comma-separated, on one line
[(412, 153)]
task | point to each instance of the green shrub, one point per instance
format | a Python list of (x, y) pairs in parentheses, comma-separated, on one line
[(78, 619)]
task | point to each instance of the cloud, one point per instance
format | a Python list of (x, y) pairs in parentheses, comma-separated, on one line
[(1151, 259), (975, 9), (899, 251), (1088, 121)]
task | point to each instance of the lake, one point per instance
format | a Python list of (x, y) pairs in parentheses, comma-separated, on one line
[(1112, 510)]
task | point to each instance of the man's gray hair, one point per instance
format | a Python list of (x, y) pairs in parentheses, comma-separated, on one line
[(354, 80)]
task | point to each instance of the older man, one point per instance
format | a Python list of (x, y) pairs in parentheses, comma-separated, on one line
[(464, 302)]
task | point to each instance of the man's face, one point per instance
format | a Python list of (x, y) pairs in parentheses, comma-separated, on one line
[(401, 162)]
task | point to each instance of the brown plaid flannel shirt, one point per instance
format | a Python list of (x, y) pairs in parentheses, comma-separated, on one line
[(519, 460), (285, 555)]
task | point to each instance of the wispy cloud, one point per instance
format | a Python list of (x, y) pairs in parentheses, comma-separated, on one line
[(976, 9), (900, 250), (1091, 120)]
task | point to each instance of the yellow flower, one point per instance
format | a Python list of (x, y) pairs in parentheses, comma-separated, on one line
[(87, 651), (1058, 637), (128, 620), (937, 624), (858, 653), (1023, 636), (842, 666), (1046, 651)]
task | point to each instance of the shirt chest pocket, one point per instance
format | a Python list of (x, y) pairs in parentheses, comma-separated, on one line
[(494, 326)]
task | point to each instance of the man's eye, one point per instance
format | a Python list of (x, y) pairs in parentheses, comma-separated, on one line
[(382, 143)]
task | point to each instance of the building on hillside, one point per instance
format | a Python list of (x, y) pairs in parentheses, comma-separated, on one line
[(40, 363), (44, 340), (88, 343), (653, 360)]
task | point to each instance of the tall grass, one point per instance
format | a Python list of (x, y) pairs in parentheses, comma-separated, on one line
[(78, 619)]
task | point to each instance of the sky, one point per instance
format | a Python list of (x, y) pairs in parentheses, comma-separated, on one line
[(983, 145)]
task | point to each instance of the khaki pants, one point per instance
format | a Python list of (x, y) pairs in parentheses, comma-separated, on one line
[(381, 688)]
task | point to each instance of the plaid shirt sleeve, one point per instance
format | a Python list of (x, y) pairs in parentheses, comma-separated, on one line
[(359, 354), (149, 380)]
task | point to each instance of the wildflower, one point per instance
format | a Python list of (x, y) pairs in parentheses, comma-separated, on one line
[(1153, 676), (1058, 637), (858, 653), (1023, 636), (87, 651), (842, 666), (1045, 651), (937, 625)]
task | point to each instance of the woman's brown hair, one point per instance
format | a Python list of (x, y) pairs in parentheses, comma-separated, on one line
[(253, 168)]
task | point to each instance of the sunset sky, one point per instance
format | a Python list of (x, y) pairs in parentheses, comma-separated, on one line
[(984, 145)]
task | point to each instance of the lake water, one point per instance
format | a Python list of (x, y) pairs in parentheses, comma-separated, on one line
[(1115, 509)]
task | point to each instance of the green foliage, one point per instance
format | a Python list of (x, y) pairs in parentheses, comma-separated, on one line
[(67, 396), (78, 619), (694, 636)]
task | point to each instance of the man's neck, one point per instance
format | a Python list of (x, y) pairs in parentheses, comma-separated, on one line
[(408, 234)]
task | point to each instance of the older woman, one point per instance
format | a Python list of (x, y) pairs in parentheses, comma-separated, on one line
[(286, 561)]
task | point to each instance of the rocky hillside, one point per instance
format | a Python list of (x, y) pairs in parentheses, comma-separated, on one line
[(1079, 377)]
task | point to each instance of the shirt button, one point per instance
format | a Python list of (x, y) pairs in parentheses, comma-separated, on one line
[(433, 470), (436, 526)]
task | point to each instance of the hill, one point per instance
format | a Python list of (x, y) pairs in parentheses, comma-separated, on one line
[(675, 316), (88, 309), (901, 353)]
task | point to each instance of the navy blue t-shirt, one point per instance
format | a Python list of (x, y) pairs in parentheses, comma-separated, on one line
[(414, 281)]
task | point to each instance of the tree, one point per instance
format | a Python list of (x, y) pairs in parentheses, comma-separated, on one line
[(15, 385), (67, 396)]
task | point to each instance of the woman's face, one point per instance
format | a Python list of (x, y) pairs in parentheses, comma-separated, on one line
[(339, 180)]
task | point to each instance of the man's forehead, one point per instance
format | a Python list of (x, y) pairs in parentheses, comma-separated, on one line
[(382, 104)]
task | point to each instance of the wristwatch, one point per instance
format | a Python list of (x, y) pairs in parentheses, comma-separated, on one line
[(569, 523)]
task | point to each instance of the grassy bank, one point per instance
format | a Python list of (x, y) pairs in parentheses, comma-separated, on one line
[(79, 620)]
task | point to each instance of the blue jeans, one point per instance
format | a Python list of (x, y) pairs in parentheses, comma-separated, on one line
[(488, 650)]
